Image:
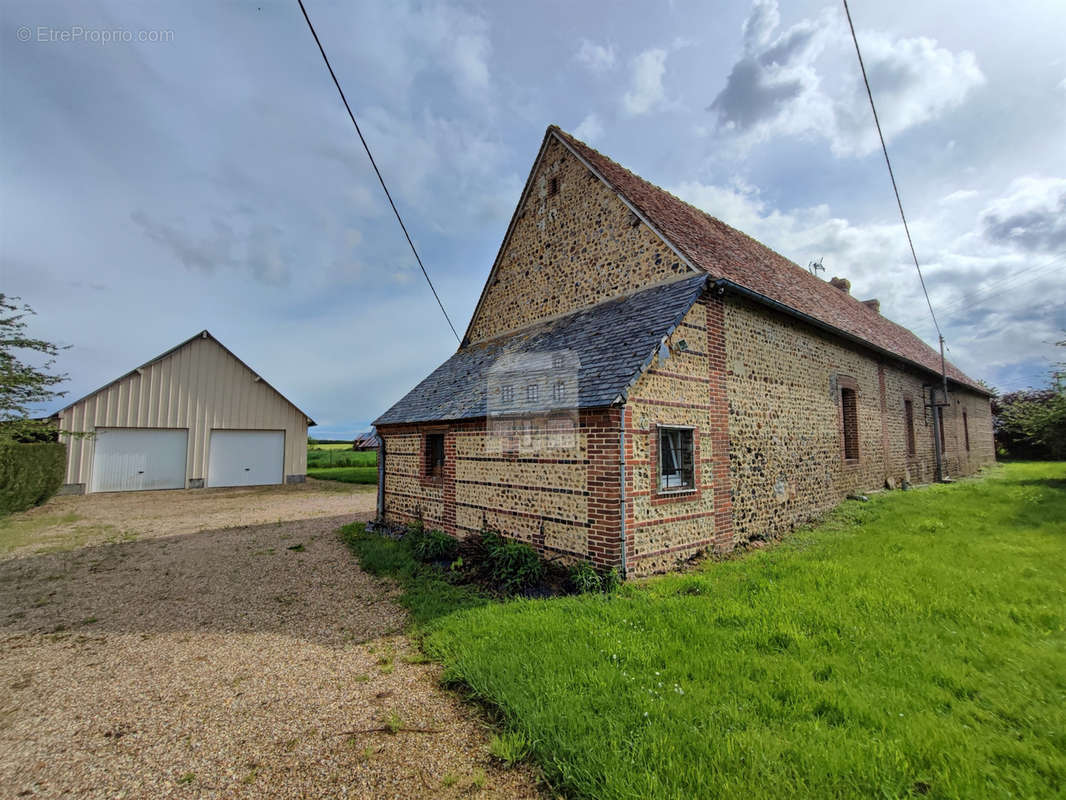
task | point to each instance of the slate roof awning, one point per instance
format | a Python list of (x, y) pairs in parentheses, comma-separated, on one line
[(606, 346)]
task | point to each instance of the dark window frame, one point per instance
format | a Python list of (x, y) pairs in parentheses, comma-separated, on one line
[(908, 426), (966, 431), (848, 403), (433, 459)]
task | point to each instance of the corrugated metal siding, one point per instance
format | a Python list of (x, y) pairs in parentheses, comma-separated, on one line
[(199, 387)]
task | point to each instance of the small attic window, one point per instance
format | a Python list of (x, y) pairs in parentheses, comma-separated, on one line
[(553, 187)]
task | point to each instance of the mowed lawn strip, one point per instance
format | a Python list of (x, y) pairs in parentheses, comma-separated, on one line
[(910, 646), (367, 475)]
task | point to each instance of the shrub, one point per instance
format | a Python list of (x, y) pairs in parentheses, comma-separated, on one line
[(513, 566), (611, 580), (434, 546), (30, 474), (585, 578)]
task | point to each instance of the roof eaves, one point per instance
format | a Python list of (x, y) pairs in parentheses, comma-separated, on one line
[(724, 284)]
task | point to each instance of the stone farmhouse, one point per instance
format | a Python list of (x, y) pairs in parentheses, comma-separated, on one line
[(640, 382)]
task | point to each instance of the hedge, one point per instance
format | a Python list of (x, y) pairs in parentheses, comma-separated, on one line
[(30, 474)]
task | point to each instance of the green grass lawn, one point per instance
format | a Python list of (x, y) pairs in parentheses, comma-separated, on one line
[(323, 456), (910, 646), (345, 474)]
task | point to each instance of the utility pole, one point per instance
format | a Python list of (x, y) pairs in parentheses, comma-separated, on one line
[(938, 434)]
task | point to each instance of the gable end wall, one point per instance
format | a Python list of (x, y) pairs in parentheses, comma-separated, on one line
[(569, 250)]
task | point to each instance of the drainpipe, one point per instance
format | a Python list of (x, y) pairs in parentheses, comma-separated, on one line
[(944, 377), (936, 434), (381, 477), (622, 494)]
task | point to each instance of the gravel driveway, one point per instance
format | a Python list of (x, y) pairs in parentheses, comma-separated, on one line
[(251, 661)]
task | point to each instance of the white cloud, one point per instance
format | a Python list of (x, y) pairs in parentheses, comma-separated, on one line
[(913, 80), (959, 196), (590, 129), (647, 90), (1031, 216), (597, 57), (970, 283), (804, 81)]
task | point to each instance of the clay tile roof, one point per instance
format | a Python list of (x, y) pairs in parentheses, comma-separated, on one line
[(724, 252)]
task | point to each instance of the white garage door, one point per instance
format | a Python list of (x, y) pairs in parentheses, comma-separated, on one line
[(128, 459), (246, 458)]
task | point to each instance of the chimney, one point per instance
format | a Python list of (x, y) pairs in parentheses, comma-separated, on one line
[(843, 284), (874, 305)]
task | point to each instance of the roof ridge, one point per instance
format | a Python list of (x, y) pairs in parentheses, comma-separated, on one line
[(719, 249)]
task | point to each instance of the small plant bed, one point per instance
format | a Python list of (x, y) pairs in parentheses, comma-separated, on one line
[(441, 573)]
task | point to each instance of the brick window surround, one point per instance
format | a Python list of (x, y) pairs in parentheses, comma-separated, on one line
[(431, 455), (908, 421), (659, 495), (849, 419)]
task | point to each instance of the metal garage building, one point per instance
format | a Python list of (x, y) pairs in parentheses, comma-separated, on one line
[(192, 417)]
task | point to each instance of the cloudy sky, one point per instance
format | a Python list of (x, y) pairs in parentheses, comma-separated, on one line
[(208, 177)]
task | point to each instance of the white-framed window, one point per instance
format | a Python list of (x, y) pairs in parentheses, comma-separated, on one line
[(676, 459), (559, 391), (532, 393), (507, 394)]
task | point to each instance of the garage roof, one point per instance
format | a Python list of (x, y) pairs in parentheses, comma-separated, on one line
[(204, 334)]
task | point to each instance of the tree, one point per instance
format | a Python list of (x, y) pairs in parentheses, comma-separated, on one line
[(23, 385), (1032, 423)]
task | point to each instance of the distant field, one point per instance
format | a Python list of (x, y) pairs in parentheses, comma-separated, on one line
[(368, 475), (339, 456), (331, 446)]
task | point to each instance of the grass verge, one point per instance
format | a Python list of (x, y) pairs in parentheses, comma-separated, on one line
[(364, 475), (427, 595), (914, 645)]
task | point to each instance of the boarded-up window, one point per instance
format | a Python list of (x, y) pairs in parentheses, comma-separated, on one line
[(676, 459), (434, 455), (908, 420), (849, 408), (966, 431)]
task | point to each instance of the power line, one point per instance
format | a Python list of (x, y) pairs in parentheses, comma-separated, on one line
[(376, 170), (891, 174), (998, 288), (1007, 282)]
